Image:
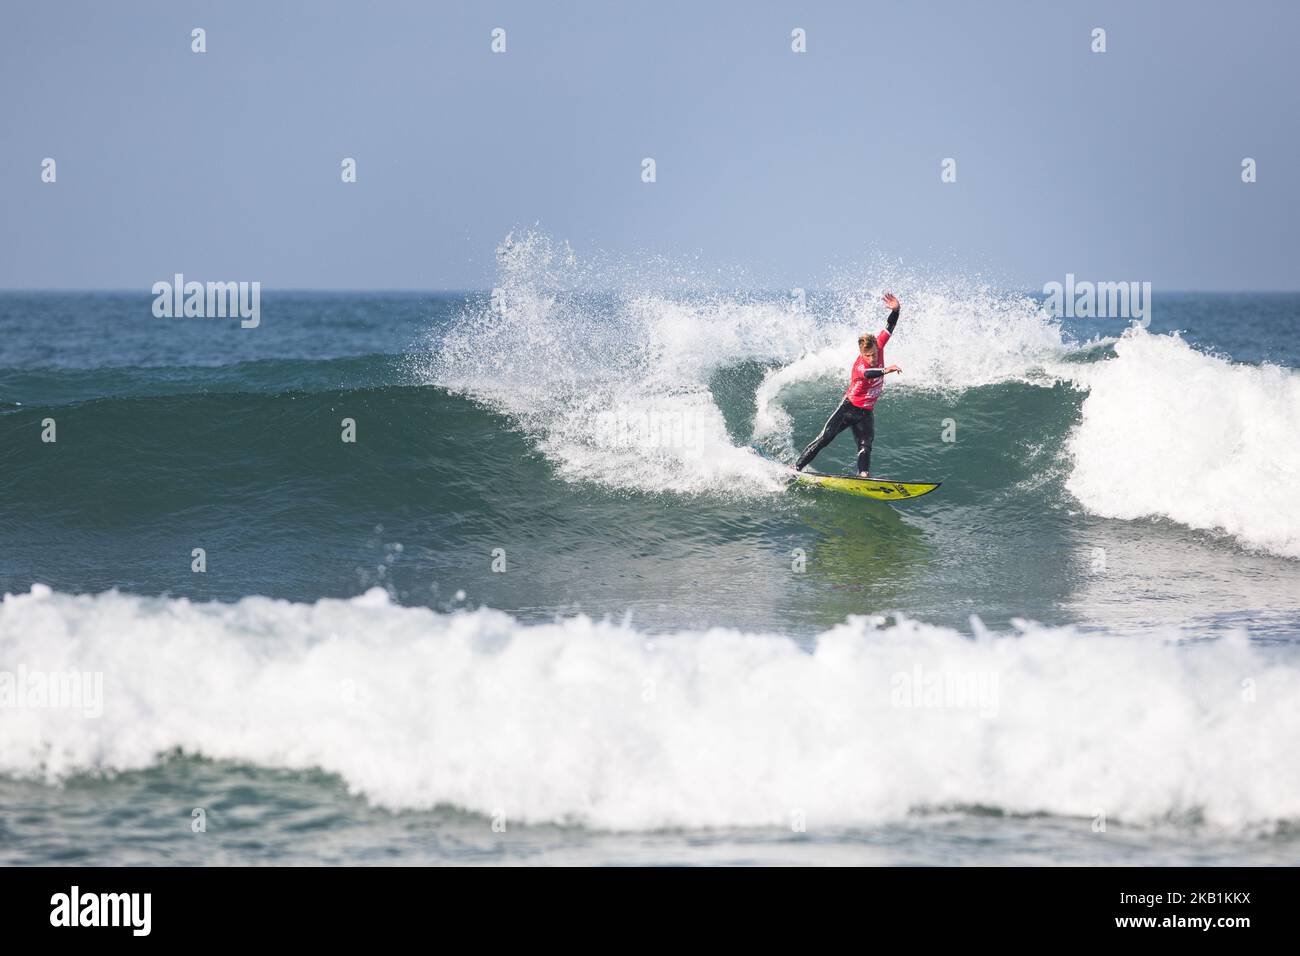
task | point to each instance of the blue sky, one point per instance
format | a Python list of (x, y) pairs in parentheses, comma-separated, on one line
[(791, 167)]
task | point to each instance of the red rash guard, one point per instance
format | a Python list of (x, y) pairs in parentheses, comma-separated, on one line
[(863, 391)]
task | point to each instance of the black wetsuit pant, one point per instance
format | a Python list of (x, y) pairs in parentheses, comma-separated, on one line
[(848, 415)]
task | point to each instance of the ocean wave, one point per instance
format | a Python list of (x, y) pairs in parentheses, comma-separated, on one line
[(616, 388), (594, 723), (1169, 431)]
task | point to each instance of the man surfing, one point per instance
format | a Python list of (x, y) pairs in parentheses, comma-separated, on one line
[(866, 382)]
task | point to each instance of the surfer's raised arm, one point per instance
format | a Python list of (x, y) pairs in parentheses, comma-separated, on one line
[(894, 305)]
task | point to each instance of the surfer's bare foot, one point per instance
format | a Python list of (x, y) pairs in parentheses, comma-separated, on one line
[(863, 474)]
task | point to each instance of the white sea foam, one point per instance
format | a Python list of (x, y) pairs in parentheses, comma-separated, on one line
[(1168, 431), (598, 724)]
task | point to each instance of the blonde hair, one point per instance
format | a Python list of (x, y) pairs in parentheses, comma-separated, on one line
[(865, 339)]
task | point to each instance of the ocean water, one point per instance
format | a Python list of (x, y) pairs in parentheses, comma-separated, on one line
[(551, 606)]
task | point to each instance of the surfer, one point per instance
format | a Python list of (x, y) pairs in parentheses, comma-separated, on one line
[(866, 382)]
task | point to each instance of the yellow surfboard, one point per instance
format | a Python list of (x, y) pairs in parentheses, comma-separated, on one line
[(882, 489)]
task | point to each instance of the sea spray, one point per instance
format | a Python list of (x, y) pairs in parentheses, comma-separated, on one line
[(598, 377)]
